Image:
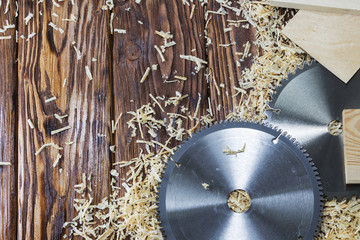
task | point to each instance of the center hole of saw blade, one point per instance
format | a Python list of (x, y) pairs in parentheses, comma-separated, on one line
[(239, 201), (335, 127)]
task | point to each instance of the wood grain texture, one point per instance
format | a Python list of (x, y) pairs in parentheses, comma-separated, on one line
[(46, 193), (223, 68), (134, 51), (8, 83), (351, 126), (332, 39), (331, 6)]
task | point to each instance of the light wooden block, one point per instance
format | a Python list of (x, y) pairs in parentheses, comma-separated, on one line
[(332, 39), (351, 131), (333, 6)]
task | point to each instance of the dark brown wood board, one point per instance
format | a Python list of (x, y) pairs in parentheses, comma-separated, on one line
[(134, 52), (46, 196), (223, 66), (8, 146)]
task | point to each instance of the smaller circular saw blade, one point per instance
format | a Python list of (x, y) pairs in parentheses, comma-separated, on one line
[(305, 104), (280, 179)]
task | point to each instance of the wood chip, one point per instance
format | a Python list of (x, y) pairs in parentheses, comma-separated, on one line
[(50, 99), (60, 130), (5, 163), (30, 124), (147, 71)]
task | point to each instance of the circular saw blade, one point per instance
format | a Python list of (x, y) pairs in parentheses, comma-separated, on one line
[(280, 179), (305, 105)]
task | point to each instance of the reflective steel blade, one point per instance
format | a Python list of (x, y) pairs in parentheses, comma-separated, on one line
[(308, 101), (284, 190)]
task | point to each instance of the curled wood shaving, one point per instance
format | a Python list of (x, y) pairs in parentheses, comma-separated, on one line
[(48, 145), (199, 62), (206, 186), (229, 151)]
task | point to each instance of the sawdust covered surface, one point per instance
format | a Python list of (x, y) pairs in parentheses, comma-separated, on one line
[(134, 215)]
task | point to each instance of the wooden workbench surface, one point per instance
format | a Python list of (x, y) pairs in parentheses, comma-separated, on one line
[(36, 197)]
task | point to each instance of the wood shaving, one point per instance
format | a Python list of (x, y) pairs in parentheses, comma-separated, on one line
[(72, 18), (57, 159), (146, 74), (88, 73), (48, 145), (121, 31), (192, 11), (114, 126), (5, 163), (341, 220), (30, 124), (180, 78), (175, 100), (156, 102), (229, 151), (50, 99), (28, 18), (30, 36), (112, 148), (5, 37), (199, 62), (206, 186), (227, 44), (197, 106), (60, 130), (51, 24), (111, 23), (60, 118), (239, 201), (160, 53), (154, 67), (227, 29), (78, 53)]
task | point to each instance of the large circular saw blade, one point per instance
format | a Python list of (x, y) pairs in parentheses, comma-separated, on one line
[(278, 176), (306, 103)]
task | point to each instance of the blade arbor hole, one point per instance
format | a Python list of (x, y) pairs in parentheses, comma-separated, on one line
[(239, 201)]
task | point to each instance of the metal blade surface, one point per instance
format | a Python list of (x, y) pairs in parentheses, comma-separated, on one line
[(279, 178), (308, 101)]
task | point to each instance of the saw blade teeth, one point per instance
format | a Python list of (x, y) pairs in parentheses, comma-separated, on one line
[(278, 89)]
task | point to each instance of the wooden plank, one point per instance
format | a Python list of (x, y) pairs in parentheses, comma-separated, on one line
[(332, 39), (134, 52), (46, 193), (225, 63), (351, 126), (8, 78), (331, 6)]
